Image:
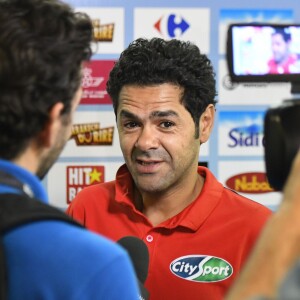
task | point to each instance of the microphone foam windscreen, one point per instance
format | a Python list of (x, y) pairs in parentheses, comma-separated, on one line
[(139, 255)]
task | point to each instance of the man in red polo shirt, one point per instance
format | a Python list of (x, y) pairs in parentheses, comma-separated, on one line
[(283, 61), (198, 233)]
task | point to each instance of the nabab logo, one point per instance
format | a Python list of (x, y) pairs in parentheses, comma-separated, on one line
[(201, 268), (252, 183), (171, 26)]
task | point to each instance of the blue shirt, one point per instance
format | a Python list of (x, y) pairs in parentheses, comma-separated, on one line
[(55, 260)]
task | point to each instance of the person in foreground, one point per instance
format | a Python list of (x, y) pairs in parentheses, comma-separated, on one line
[(42, 46), (273, 269), (198, 233)]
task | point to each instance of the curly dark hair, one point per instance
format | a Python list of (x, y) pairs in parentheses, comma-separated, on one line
[(42, 46), (156, 61)]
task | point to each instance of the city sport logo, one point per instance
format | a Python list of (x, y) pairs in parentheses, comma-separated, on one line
[(90, 134), (251, 182), (201, 268), (79, 177), (171, 26)]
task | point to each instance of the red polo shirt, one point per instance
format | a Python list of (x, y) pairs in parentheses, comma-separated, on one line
[(193, 255), (288, 67)]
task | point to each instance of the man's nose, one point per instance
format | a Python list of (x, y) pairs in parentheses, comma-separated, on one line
[(147, 139)]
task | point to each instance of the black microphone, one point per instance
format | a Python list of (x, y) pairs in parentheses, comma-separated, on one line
[(139, 255)]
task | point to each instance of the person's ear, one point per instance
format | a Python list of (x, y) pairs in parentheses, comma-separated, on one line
[(206, 123), (52, 128)]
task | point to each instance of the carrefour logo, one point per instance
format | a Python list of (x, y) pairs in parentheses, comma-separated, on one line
[(201, 268), (171, 26)]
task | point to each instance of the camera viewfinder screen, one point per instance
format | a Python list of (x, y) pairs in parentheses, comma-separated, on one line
[(265, 49)]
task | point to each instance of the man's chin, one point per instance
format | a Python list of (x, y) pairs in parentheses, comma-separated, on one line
[(49, 159), (46, 165), (41, 174), (151, 187)]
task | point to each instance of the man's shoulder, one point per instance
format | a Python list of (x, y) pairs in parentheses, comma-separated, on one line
[(89, 245), (75, 247), (243, 203), (58, 252), (229, 197), (105, 189), (103, 186)]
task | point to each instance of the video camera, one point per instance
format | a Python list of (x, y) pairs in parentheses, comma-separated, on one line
[(264, 52)]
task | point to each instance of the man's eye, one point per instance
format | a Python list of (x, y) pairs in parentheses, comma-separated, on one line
[(167, 124), (130, 125)]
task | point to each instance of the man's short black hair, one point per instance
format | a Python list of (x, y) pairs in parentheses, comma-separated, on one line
[(42, 46)]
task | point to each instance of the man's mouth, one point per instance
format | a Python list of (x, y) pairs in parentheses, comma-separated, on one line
[(146, 163), (148, 166)]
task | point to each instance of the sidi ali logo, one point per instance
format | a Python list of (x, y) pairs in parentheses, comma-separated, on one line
[(79, 177), (251, 182), (201, 268)]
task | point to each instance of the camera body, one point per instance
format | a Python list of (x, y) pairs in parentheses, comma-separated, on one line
[(282, 141), (249, 52)]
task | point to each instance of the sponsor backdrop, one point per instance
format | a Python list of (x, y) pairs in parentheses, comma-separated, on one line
[(235, 151)]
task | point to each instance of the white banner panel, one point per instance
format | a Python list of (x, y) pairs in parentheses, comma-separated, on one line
[(241, 133), (65, 180), (248, 178), (189, 24), (250, 93), (94, 134), (109, 27)]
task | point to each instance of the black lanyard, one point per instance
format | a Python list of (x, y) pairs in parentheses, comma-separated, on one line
[(8, 179)]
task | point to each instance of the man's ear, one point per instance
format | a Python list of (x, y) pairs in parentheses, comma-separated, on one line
[(51, 130), (206, 123)]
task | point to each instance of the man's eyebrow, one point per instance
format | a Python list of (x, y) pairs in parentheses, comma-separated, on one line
[(127, 114), (154, 114), (162, 114)]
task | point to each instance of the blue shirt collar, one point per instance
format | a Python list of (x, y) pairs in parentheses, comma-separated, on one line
[(26, 177)]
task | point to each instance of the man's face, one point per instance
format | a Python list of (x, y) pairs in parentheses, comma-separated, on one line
[(61, 138), (280, 48), (157, 137)]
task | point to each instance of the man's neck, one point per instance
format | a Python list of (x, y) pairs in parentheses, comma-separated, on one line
[(160, 207), (27, 160)]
